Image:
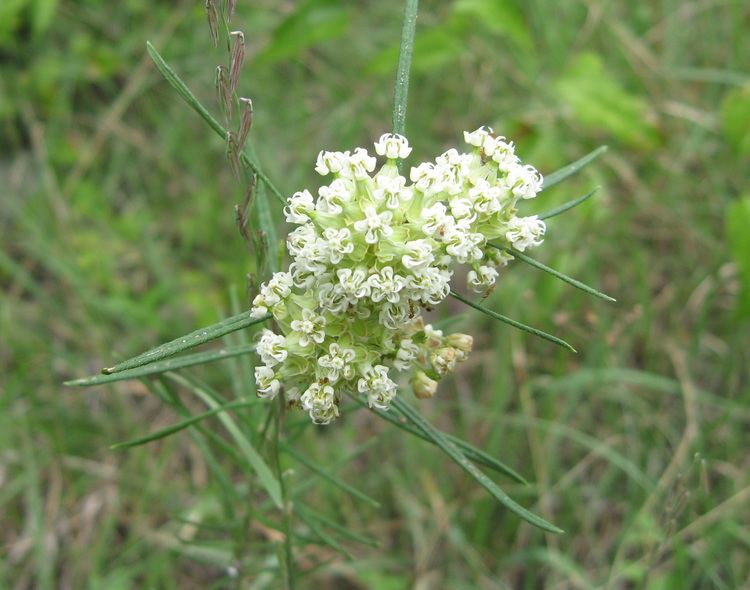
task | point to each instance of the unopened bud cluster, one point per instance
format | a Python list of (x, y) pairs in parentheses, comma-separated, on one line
[(371, 252)]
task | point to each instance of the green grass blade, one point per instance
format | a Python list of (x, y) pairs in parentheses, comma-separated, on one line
[(569, 205), (401, 90), (201, 336), (471, 452), (266, 223), (556, 273), (261, 468), (514, 323), (329, 477), (563, 173), (343, 531), (460, 459), (189, 360), (323, 536), (176, 82), (169, 430)]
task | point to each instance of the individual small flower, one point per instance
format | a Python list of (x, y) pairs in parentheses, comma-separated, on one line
[(337, 363), (430, 285), (271, 348), (524, 181), (320, 402), (436, 220), (272, 293), (331, 162), (525, 232), (392, 146), (444, 360), (333, 198), (339, 243), (423, 386), (478, 137), (354, 283), (311, 328), (359, 165), (418, 254), (375, 225), (462, 343), (266, 382), (391, 190), (481, 279), (378, 387), (464, 246), (301, 205), (386, 285), (407, 353)]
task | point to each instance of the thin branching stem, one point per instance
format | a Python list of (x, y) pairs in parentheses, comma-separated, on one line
[(401, 91), (286, 509)]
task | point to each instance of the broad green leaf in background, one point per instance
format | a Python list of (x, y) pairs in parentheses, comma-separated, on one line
[(502, 17), (313, 22), (433, 48), (738, 236), (735, 119), (42, 12), (598, 103)]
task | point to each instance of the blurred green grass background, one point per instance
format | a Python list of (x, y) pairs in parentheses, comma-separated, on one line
[(117, 230)]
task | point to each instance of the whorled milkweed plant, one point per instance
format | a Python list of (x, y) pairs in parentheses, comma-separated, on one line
[(370, 252)]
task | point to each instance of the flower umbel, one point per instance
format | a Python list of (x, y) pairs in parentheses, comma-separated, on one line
[(371, 252)]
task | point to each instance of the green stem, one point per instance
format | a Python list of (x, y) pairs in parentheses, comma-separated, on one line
[(286, 509), (401, 92)]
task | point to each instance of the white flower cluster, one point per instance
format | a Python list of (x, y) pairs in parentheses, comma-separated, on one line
[(370, 252)]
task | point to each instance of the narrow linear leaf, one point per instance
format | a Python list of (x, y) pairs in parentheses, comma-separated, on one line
[(169, 430), (514, 323), (565, 206), (471, 452), (401, 89), (189, 360), (556, 273), (201, 336), (460, 459), (261, 468), (176, 82), (343, 531), (265, 221), (563, 173)]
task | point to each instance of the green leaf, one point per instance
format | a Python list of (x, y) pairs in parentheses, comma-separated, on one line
[(344, 532), (310, 24), (169, 430), (514, 323), (738, 236), (735, 119), (460, 459), (401, 87), (501, 17), (181, 362), (555, 273), (328, 476), (434, 48), (41, 16), (559, 175), (184, 92), (261, 468), (599, 103), (322, 535), (565, 206), (471, 452), (201, 336), (266, 223)]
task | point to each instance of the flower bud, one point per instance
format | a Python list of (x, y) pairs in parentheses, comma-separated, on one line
[(462, 342), (423, 386), (444, 360)]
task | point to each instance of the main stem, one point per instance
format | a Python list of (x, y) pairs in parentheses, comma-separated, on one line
[(401, 92), (286, 509)]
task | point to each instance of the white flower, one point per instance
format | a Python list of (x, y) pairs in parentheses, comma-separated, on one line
[(320, 402), (433, 337), (386, 285), (430, 285), (463, 245), (481, 279), (478, 137), (444, 360), (524, 181), (333, 298), (462, 208), (271, 348), (300, 206), (306, 273), (504, 154), (266, 382), (394, 315), (435, 219), (299, 239), (354, 283), (339, 243), (272, 293), (392, 146), (406, 355), (485, 197), (418, 254), (359, 165), (335, 196), (331, 162), (375, 225), (311, 327), (378, 387), (525, 232), (337, 363), (391, 190)]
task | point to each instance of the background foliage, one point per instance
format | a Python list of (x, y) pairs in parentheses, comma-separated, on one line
[(117, 231)]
